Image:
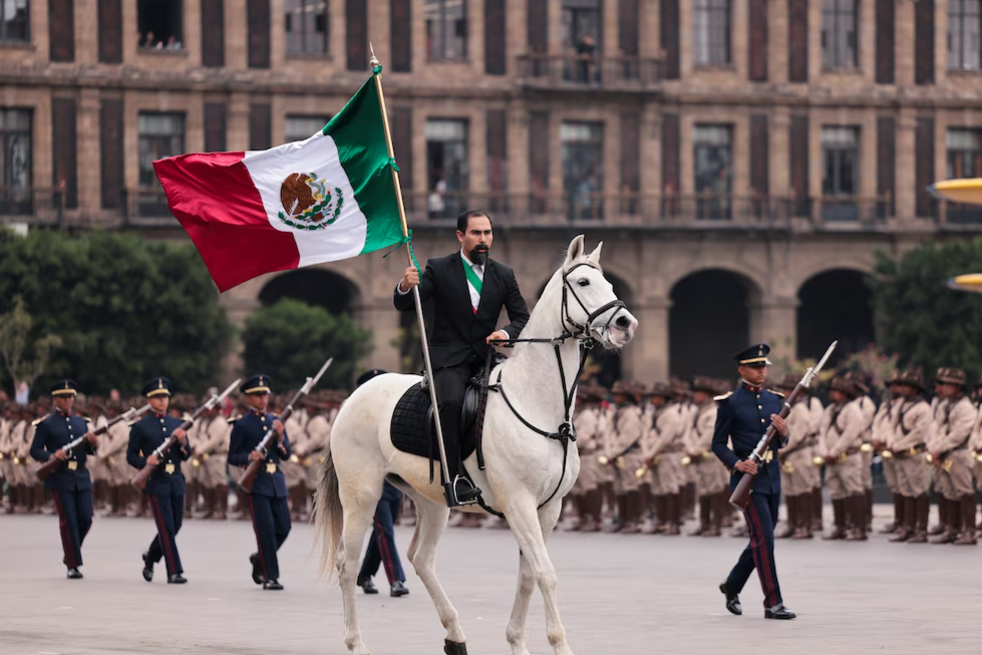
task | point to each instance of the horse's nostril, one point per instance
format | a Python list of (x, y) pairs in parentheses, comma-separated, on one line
[(622, 322)]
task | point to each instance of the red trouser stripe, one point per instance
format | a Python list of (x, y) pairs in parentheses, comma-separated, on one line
[(67, 544), (158, 514), (385, 549), (761, 560)]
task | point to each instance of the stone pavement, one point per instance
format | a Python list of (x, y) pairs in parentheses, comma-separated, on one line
[(630, 595)]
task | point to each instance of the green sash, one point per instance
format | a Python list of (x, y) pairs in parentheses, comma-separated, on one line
[(471, 276)]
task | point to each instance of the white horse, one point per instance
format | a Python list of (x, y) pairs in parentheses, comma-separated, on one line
[(526, 476)]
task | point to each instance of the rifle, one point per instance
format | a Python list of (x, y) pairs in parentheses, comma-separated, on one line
[(140, 479), (48, 467), (741, 494), (248, 477)]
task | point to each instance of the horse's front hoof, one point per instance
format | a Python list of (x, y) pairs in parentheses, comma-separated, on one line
[(454, 647)]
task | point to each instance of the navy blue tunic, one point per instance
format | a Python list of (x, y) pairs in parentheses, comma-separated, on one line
[(247, 433), (147, 435), (55, 432), (743, 417)]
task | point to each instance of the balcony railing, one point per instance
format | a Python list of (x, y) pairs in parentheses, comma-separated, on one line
[(843, 211), (32, 205), (956, 216), (579, 72), (147, 208)]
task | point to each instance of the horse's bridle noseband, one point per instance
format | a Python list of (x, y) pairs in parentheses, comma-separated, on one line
[(583, 332)]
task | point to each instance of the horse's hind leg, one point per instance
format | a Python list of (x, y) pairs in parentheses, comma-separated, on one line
[(531, 529), (431, 521), (359, 507)]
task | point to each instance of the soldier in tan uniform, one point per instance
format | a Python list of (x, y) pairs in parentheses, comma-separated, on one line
[(951, 458), (211, 450), (710, 476), (6, 458), (662, 451), (868, 409), (586, 491), (817, 502), (906, 447), (293, 469), (799, 475), (975, 441), (881, 435), (840, 438), (112, 457), (21, 436), (623, 453)]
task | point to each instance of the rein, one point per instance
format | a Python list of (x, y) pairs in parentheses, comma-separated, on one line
[(566, 432)]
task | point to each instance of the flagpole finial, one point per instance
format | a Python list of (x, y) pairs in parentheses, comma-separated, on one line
[(374, 59)]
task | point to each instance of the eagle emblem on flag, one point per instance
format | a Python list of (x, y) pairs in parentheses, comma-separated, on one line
[(309, 203)]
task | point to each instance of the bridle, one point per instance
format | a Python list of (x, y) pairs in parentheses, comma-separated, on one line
[(572, 330)]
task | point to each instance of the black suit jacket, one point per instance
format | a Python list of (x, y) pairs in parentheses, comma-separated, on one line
[(456, 333)]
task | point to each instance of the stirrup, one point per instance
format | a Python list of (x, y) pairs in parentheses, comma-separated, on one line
[(450, 492)]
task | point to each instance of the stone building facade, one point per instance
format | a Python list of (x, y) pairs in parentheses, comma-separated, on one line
[(743, 160)]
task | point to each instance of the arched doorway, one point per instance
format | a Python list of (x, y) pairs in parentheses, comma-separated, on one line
[(709, 322), (314, 286), (603, 366), (834, 305)]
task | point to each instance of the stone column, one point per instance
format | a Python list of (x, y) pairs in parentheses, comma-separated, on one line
[(89, 130), (647, 358), (904, 43), (774, 321), (906, 174), (383, 320)]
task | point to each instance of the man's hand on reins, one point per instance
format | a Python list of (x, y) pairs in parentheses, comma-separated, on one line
[(409, 279), (498, 335)]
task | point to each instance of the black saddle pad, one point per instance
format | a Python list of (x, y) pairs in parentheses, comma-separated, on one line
[(412, 425)]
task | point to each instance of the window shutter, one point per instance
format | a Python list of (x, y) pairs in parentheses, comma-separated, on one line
[(798, 156), (627, 27), (260, 126), (758, 40), (537, 14), (64, 140), (110, 31), (400, 33), (111, 152), (215, 126), (670, 151), (631, 151), (213, 33), (885, 36), (402, 143), (759, 155), (886, 159), (670, 37), (61, 29), (924, 42), (356, 34), (924, 168), (798, 40), (258, 15), (495, 33)]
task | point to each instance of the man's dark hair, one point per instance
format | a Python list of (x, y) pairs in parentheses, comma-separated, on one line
[(465, 218)]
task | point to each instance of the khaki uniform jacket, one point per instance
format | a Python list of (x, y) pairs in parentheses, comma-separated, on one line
[(974, 441), (699, 436), (953, 424), (665, 432), (884, 421), (587, 422), (626, 432), (112, 451), (318, 433), (843, 427), (911, 424)]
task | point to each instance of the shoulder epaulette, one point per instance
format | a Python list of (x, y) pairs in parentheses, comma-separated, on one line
[(185, 417), (38, 420), (86, 419), (723, 397), (232, 419), (777, 393)]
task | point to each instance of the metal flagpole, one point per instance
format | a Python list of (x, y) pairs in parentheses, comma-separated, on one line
[(427, 366)]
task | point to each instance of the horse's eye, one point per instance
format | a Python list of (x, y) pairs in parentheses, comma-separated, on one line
[(584, 282)]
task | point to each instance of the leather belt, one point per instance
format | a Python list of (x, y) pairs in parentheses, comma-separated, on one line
[(913, 451), (271, 468), (75, 465)]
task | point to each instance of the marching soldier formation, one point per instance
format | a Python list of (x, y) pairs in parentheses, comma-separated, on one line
[(646, 452)]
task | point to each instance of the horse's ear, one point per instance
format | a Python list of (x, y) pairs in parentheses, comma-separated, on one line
[(575, 251), (595, 255)]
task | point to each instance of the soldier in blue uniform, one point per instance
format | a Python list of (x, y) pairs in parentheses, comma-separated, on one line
[(69, 484), (268, 498), (165, 487), (743, 417)]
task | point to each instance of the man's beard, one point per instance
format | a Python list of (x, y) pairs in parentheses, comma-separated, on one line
[(479, 255)]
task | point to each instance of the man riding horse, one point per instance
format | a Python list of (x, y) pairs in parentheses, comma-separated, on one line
[(467, 291)]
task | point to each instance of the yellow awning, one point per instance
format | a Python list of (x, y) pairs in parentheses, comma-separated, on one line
[(969, 282), (968, 191)]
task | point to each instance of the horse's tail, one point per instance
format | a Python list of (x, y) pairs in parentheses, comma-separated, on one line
[(328, 518)]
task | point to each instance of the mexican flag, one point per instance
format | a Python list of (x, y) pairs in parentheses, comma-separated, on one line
[(327, 198)]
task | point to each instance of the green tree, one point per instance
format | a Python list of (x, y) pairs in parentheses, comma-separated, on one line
[(291, 339), (24, 355), (124, 308), (928, 324)]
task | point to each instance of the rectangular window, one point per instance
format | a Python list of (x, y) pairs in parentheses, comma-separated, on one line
[(711, 37), (839, 34), (446, 29), (299, 128), (964, 160), (964, 25), (15, 162), (356, 34), (840, 173), (15, 20), (160, 135), (582, 31), (160, 24), (582, 149), (446, 167), (713, 167), (306, 27)]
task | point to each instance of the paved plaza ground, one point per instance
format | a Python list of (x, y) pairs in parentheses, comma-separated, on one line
[(629, 595)]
